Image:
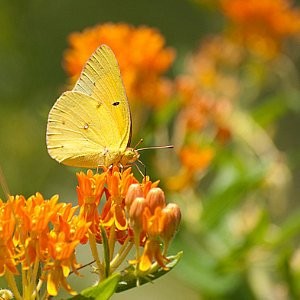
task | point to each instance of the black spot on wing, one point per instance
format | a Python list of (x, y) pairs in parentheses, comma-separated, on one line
[(116, 103)]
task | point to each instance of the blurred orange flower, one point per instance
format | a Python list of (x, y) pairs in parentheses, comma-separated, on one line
[(196, 158), (141, 54), (208, 88), (206, 91), (263, 24)]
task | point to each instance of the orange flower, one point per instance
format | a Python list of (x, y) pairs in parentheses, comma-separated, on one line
[(160, 225), (33, 216), (211, 70), (132, 211), (56, 278), (155, 221), (117, 186), (89, 191), (114, 185), (193, 159), (171, 216), (207, 91), (62, 253), (36, 231), (41, 235), (141, 54), (196, 158), (68, 230), (263, 24), (152, 252), (7, 250)]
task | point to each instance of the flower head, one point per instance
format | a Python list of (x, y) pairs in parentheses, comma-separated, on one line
[(141, 54), (264, 24), (37, 234), (40, 231)]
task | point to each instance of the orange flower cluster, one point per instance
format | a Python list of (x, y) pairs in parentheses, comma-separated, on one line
[(206, 91), (264, 24), (36, 231), (40, 234), (208, 88), (141, 54), (129, 213), (153, 220)]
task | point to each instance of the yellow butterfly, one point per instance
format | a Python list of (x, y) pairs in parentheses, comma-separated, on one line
[(90, 126)]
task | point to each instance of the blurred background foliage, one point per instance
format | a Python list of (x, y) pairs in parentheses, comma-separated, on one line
[(232, 113)]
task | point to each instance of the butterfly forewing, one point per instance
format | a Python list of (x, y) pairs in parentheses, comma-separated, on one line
[(90, 125), (101, 79)]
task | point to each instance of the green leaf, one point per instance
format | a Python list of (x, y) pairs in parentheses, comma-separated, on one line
[(288, 230), (270, 109), (129, 279), (227, 197), (103, 291), (201, 270)]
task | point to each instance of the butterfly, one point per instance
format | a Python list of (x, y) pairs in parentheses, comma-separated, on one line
[(90, 126)]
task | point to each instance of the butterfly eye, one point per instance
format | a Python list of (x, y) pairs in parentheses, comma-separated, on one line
[(116, 103)]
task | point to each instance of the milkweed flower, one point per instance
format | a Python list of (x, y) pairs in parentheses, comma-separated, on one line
[(148, 218), (140, 51), (262, 25), (130, 213), (37, 234), (207, 91)]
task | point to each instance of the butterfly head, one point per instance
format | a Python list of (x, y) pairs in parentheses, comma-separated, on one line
[(130, 156)]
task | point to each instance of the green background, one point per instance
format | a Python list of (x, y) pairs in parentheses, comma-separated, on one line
[(33, 37)]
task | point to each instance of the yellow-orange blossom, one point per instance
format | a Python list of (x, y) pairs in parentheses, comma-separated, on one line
[(38, 232)]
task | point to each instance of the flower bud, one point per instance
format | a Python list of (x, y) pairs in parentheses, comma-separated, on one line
[(171, 218), (156, 198), (133, 192), (137, 208)]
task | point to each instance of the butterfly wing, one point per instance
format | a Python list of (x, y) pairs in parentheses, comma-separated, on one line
[(91, 125)]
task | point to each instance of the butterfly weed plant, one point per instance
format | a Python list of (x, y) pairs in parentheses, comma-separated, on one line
[(39, 236), (220, 111)]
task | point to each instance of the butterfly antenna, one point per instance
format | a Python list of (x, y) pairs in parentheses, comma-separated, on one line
[(156, 147), (139, 142)]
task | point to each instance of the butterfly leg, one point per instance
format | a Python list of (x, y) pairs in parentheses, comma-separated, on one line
[(138, 168)]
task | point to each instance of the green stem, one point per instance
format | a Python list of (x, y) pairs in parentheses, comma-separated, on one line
[(93, 246), (111, 241), (12, 285), (121, 255), (34, 279)]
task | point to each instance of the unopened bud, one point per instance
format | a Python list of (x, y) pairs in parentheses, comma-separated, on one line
[(171, 218), (137, 208), (133, 192), (156, 198)]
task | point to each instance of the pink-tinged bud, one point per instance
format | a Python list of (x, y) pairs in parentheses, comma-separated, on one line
[(133, 192), (137, 208), (156, 198), (171, 218)]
